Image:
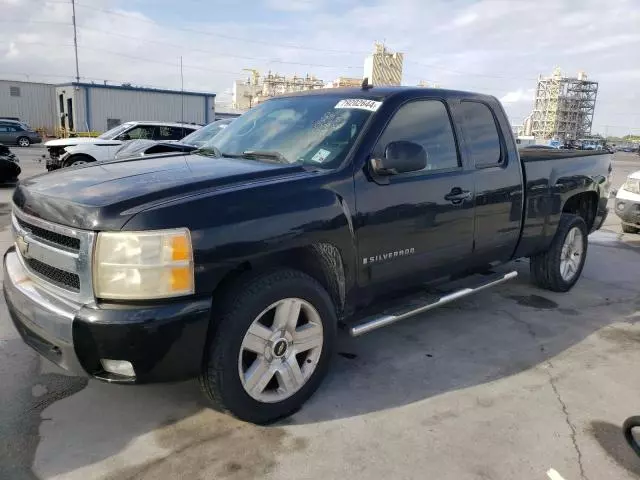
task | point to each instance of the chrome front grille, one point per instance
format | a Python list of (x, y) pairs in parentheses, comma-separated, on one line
[(55, 275), (56, 257), (53, 237)]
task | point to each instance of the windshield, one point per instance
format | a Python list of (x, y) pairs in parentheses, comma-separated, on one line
[(203, 135), (114, 132), (317, 130)]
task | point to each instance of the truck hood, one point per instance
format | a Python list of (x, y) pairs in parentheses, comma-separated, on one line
[(105, 195)]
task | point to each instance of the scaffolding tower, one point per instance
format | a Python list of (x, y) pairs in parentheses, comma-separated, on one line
[(563, 107)]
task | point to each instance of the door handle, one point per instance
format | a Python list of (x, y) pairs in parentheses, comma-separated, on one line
[(457, 195)]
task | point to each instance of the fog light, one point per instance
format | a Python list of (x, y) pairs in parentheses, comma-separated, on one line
[(119, 367), (621, 206)]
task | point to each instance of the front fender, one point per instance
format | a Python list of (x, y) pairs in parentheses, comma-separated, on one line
[(240, 225)]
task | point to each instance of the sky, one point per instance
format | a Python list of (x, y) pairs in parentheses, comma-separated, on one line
[(497, 47)]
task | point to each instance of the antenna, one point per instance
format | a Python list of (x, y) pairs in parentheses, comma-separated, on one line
[(365, 84)]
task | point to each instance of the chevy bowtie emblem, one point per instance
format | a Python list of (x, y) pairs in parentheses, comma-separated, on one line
[(23, 246)]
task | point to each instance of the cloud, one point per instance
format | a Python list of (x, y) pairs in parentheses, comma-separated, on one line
[(292, 5), (605, 43), (497, 47), (465, 19), (519, 95), (12, 51)]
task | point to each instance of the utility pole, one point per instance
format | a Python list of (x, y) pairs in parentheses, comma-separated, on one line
[(75, 39), (181, 95)]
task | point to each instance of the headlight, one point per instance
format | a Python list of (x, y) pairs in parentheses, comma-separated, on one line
[(143, 265), (631, 185)]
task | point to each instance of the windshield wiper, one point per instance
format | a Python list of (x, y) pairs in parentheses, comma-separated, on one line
[(265, 154), (211, 151)]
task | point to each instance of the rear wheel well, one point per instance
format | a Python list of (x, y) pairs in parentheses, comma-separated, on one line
[(585, 205)]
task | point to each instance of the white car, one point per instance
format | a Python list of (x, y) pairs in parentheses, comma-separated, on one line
[(143, 147), (76, 150), (627, 205)]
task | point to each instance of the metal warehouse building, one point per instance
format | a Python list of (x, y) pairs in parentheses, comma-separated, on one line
[(33, 103), (85, 107), (94, 107)]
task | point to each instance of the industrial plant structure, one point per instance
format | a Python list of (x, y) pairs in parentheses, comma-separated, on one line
[(258, 88), (382, 67), (563, 107)]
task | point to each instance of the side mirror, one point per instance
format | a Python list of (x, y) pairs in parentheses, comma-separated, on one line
[(124, 136), (400, 157)]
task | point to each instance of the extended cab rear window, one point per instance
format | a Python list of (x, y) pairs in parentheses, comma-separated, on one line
[(480, 134)]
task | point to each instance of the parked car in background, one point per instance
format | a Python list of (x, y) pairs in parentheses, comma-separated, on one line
[(113, 139), (538, 147), (9, 165), (13, 132), (193, 141), (628, 203)]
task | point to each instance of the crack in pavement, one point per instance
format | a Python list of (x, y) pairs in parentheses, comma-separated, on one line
[(554, 387), (567, 419)]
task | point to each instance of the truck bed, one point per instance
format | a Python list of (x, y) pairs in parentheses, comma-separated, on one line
[(551, 177)]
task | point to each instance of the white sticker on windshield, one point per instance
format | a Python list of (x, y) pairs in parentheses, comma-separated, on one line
[(320, 155), (359, 103)]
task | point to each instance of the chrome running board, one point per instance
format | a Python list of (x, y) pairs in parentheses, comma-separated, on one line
[(378, 321)]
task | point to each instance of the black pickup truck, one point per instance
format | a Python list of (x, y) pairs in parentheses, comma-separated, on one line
[(238, 262)]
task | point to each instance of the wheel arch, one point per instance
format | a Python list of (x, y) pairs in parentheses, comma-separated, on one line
[(584, 204), (322, 261), (78, 156)]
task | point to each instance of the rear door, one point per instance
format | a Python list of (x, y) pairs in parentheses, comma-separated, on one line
[(498, 179), (416, 225)]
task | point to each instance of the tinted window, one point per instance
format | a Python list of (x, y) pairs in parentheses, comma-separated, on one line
[(171, 133), (427, 123), (136, 133), (6, 128), (480, 133)]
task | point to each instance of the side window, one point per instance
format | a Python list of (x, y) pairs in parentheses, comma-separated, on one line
[(427, 123), (173, 133), (136, 133), (481, 134)]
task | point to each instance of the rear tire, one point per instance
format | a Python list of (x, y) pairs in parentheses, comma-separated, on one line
[(263, 387), (629, 229), (23, 141), (559, 268)]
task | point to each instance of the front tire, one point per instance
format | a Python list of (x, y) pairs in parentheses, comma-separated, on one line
[(78, 160), (629, 229), (23, 142), (559, 268), (272, 346)]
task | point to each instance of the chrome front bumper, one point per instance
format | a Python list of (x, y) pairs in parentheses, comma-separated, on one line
[(43, 320)]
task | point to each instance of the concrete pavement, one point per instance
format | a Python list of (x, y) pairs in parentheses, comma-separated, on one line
[(506, 384)]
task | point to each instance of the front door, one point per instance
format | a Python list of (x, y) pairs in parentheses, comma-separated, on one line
[(416, 226)]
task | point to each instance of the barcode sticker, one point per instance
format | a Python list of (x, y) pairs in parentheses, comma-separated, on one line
[(359, 103)]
